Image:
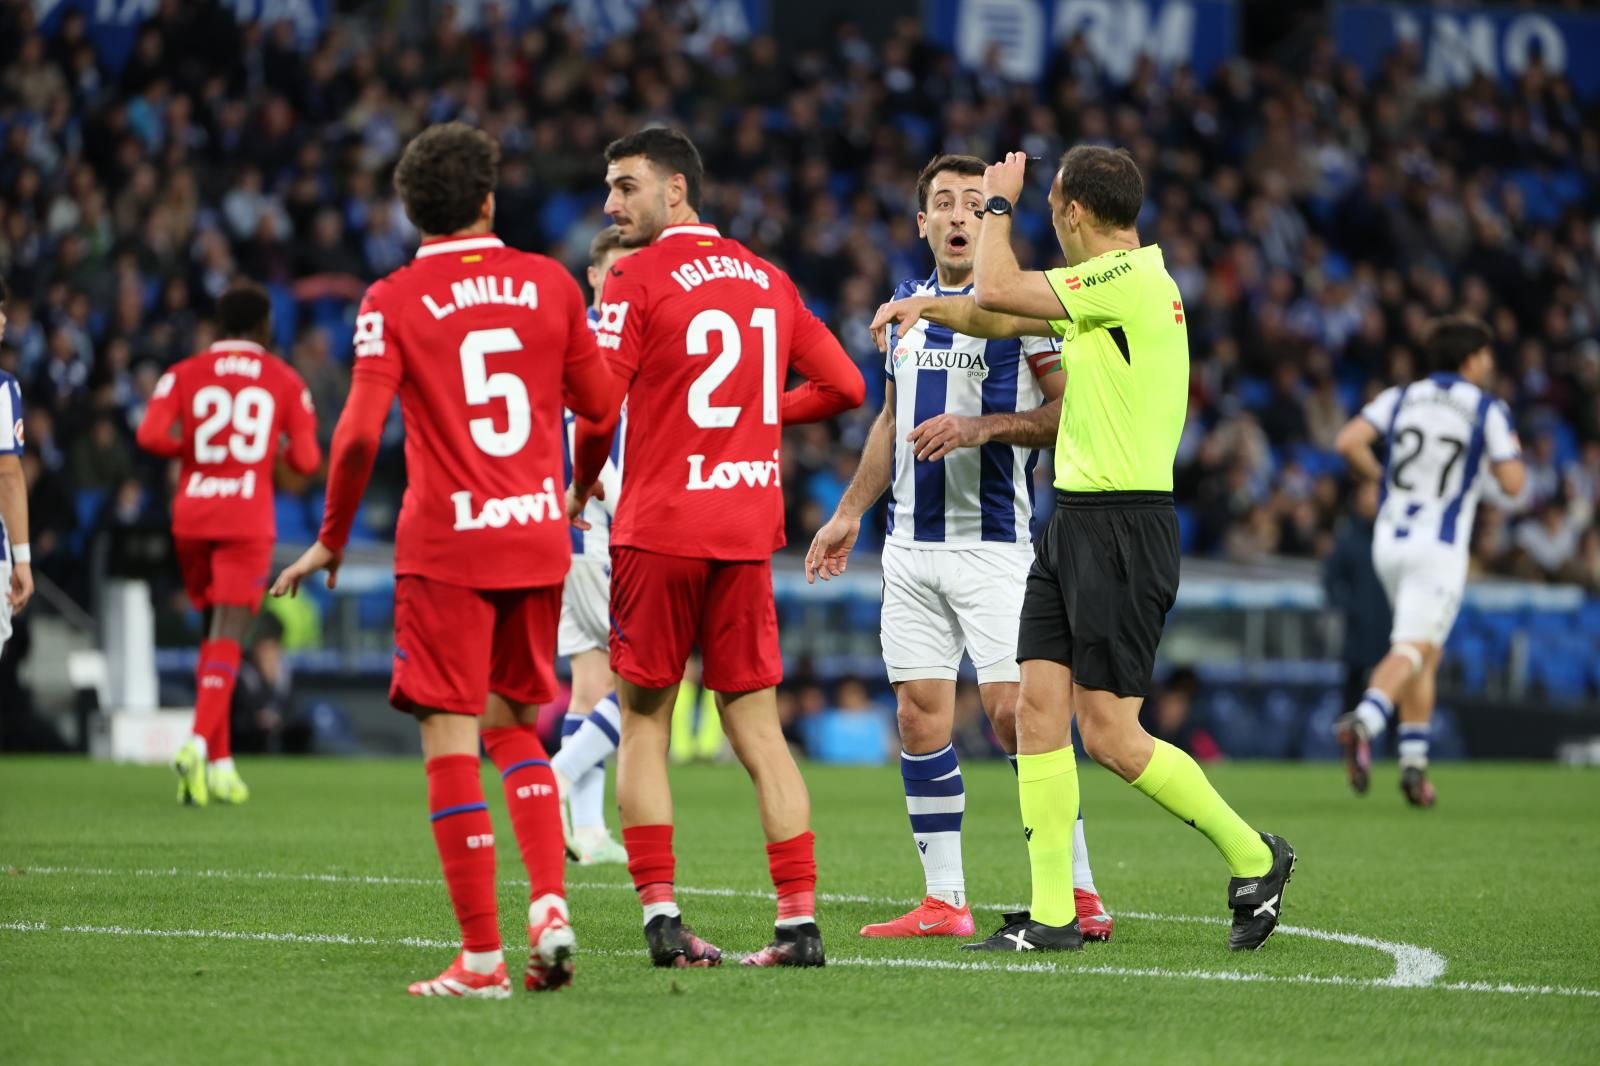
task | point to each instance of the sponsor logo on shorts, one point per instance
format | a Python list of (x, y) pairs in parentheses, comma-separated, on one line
[(530, 791), (481, 840), (727, 475)]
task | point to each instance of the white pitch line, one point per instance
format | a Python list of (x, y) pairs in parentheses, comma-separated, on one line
[(849, 961), (1414, 967)]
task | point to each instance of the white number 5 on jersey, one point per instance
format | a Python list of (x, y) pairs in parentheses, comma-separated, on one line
[(483, 387)]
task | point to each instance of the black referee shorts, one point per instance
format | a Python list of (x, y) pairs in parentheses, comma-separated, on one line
[(1104, 576)]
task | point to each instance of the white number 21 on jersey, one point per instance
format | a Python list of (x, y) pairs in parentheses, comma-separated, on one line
[(706, 414)]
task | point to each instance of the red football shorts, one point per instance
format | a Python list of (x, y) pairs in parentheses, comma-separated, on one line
[(664, 605), (224, 573), (454, 645)]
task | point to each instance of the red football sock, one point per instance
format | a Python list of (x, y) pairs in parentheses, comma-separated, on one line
[(650, 861), (465, 837), (535, 808), (794, 874), (215, 675)]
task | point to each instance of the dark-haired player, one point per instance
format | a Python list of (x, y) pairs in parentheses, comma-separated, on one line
[(703, 335), (16, 557), (1105, 571), (1442, 435), (482, 343), (960, 478), (223, 412)]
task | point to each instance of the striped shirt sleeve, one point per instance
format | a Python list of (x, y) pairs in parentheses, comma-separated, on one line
[(10, 416)]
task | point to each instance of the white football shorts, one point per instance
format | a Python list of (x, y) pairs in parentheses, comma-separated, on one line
[(1424, 581), (938, 602), (585, 608)]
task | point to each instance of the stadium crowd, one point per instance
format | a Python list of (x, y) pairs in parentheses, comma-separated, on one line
[(1314, 219)]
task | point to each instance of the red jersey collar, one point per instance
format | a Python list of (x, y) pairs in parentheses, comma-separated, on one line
[(449, 245), (689, 229), (238, 346)]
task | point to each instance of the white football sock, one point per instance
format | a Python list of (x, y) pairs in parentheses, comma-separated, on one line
[(225, 763), (595, 739), (1413, 748), (1374, 712), (1082, 876), (654, 910), (586, 798), (482, 963), (936, 799)]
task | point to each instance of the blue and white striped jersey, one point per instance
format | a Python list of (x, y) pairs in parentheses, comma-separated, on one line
[(10, 438), (595, 543), (1442, 433), (972, 496)]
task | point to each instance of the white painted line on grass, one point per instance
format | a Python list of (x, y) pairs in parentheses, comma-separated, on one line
[(1414, 967), (978, 966)]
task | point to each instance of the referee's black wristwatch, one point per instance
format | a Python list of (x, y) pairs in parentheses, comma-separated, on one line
[(996, 205)]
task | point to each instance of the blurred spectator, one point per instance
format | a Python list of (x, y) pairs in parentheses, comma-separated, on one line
[(1353, 589), (1170, 717), (1547, 546)]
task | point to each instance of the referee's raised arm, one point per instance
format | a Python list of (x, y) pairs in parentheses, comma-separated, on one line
[(998, 283)]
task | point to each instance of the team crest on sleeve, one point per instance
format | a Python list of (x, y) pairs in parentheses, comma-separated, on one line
[(305, 401), (17, 434), (608, 330), (369, 334), (164, 386)]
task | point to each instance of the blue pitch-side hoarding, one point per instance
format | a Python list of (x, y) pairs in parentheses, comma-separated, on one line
[(1200, 33), (1460, 42)]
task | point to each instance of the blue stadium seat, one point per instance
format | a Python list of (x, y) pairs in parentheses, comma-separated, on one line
[(1561, 667), (1188, 529), (560, 212), (859, 738), (1468, 653), (285, 316), (293, 519), (87, 504), (1254, 393)]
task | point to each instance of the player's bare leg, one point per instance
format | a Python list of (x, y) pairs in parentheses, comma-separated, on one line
[(1000, 699), (465, 839), (935, 802), (580, 765), (750, 721), (645, 798), (510, 737), (1389, 685), (1415, 729), (204, 764)]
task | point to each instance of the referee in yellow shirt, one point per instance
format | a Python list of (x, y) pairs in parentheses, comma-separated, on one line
[(1105, 572)]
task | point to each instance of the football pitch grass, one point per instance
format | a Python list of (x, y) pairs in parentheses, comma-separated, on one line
[(133, 930)]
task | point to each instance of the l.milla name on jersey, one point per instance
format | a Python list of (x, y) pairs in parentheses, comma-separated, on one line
[(481, 290)]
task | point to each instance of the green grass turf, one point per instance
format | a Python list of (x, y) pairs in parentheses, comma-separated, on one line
[(1500, 879)]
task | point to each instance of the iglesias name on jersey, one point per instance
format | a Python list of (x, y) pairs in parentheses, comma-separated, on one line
[(1442, 432), (972, 496), (233, 402), (594, 543), (11, 437), (478, 339), (704, 333)]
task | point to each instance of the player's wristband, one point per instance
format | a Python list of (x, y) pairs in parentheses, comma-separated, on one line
[(22, 553)]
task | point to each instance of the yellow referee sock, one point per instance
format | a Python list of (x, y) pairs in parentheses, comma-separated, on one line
[(1048, 788), (1177, 783)]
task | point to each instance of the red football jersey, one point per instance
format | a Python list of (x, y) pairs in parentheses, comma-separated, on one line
[(479, 340), (232, 404), (703, 333)]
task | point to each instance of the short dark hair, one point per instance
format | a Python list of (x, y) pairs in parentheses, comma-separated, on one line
[(605, 242), (1104, 180), (1454, 339), (669, 151), (444, 175), (244, 310), (968, 165)]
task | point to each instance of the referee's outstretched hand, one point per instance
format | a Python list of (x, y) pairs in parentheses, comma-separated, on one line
[(901, 314), (830, 548)]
